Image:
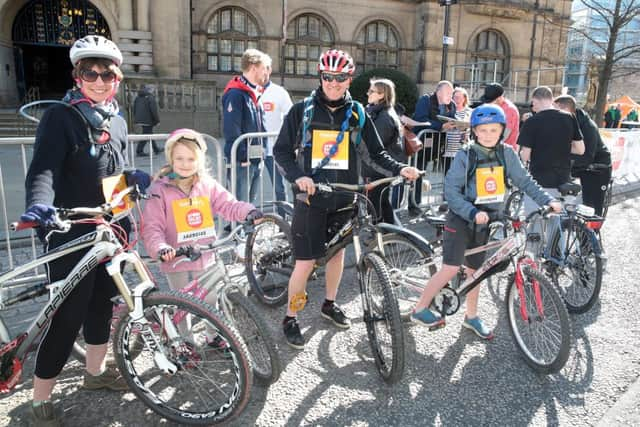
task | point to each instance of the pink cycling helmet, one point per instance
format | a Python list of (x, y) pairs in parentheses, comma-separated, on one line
[(336, 61)]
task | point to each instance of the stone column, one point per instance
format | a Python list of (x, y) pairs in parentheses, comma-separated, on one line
[(125, 23), (143, 25)]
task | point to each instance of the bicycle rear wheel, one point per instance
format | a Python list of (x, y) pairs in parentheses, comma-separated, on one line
[(269, 260), (382, 318), (183, 378), (542, 335), (410, 268), (579, 279), (255, 333)]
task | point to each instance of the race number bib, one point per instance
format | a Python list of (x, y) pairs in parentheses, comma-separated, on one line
[(490, 186), (193, 218), (111, 186), (321, 143)]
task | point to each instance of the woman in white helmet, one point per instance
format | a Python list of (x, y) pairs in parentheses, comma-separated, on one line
[(78, 144)]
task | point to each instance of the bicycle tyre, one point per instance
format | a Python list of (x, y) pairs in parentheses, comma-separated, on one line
[(521, 330), (608, 196), (380, 305), (410, 268), (583, 268), (220, 401), (269, 260), (254, 331)]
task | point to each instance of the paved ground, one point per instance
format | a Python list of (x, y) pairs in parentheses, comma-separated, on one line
[(451, 377)]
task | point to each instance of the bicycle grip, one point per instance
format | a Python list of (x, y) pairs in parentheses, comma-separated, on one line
[(23, 225)]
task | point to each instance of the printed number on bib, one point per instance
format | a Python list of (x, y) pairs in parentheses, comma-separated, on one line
[(321, 143), (193, 218), (490, 186), (111, 186)]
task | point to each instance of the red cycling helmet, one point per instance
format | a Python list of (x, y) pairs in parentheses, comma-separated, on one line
[(336, 61)]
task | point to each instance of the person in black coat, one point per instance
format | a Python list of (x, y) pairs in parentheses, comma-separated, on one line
[(594, 166), (381, 98), (79, 142), (145, 114)]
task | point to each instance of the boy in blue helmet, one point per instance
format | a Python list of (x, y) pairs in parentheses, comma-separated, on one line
[(475, 187)]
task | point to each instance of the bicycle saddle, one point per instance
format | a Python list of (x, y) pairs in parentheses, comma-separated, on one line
[(569, 189)]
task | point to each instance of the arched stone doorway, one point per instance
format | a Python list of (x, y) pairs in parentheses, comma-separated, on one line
[(43, 31)]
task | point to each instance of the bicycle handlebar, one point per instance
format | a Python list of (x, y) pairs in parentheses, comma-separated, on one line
[(63, 215), (193, 252), (360, 188)]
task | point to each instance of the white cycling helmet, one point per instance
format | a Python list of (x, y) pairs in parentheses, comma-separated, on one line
[(95, 47)]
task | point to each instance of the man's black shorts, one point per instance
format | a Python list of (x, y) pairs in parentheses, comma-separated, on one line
[(310, 229), (460, 235)]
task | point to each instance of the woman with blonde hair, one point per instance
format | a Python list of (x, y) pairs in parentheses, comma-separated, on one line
[(456, 138), (381, 98)]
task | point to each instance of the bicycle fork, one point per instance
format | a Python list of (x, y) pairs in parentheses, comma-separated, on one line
[(135, 305), (519, 280)]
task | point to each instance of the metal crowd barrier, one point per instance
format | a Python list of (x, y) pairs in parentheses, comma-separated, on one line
[(13, 173), (255, 153)]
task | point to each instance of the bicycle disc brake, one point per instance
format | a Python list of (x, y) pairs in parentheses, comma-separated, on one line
[(446, 302)]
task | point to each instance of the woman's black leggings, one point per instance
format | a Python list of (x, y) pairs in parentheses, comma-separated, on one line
[(89, 306)]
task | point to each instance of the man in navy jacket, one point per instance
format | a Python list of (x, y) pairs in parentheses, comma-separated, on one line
[(428, 107), (242, 113)]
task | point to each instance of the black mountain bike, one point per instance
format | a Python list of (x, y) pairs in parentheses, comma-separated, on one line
[(269, 263)]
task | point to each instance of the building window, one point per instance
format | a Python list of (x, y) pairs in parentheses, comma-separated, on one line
[(490, 54), (230, 31), (307, 36), (377, 47)]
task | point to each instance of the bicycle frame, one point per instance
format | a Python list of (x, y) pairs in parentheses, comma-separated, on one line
[(103, 244)]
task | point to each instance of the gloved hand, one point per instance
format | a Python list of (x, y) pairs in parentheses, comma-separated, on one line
[(139, 178), (40, 213), (253, 215)]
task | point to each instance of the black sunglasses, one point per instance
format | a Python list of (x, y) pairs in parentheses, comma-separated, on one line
[(91, 76), (340, 78)]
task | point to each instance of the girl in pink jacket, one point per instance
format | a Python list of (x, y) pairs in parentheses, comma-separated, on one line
[(189, 201)]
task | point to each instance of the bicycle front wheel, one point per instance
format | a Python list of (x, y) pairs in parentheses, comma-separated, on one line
[(382, 318), (579, 280), (178, 374), (539, 322), (410, 268), (269, 260), (254, 331)]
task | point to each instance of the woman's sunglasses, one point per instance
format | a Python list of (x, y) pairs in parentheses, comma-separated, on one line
[(340, 78), (91, 76)]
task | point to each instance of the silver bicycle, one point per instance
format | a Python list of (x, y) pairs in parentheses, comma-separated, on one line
[(174, 372)]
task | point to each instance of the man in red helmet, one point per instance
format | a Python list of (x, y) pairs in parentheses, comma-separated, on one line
[(328, 117)]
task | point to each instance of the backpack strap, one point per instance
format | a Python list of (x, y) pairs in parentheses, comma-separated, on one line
[(473, 163), (361, 120), (307, 116)]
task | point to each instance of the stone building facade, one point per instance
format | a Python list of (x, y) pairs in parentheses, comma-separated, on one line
[(192, 47)]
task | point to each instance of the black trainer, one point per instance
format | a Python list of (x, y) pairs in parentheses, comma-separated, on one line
[(336, 315), (292, 333)]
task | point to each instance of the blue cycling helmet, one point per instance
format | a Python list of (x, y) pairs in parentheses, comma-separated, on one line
[(488, 113)]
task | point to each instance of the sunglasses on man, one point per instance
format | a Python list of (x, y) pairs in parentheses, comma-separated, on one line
[(91, 76), (340, 78)]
